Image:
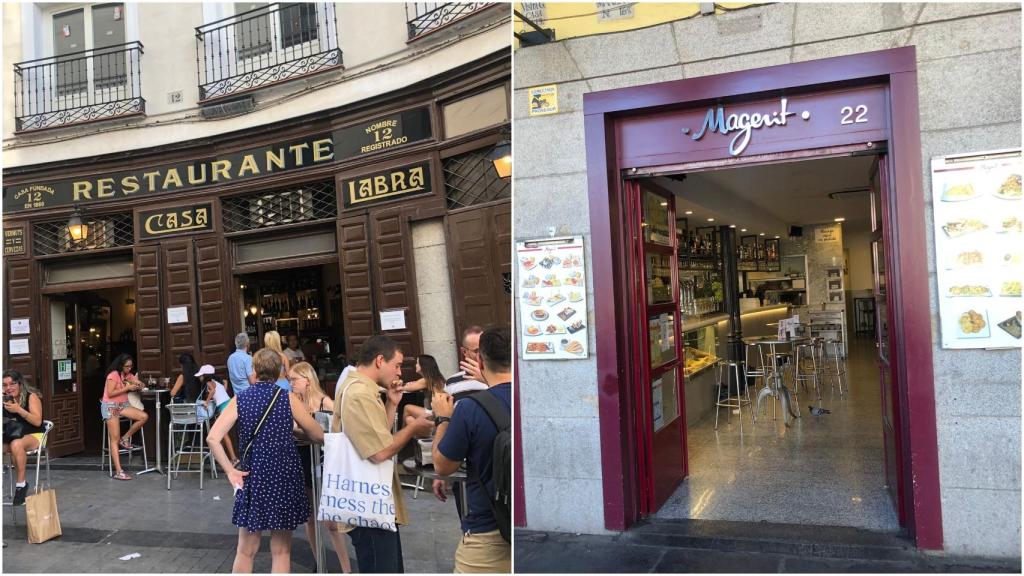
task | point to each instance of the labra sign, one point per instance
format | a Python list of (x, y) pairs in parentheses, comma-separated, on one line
[(386, 185), (375, 136), (156, 223)]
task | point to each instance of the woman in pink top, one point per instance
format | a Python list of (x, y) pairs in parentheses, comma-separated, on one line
[(121, 381)]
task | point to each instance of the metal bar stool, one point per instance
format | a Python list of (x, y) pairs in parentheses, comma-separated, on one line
[(777, 363), (803, 373), (836, 368), (185, 422), (761, 370), (728, 402), (105, 450), (43, 451)]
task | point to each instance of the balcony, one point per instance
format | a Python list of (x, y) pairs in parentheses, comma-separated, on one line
[(266, 46), (426, 17), (86, 86)]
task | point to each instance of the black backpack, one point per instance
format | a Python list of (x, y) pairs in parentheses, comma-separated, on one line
[(501, 462)]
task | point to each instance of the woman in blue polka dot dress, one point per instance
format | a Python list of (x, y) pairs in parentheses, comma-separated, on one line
[(271, 494)]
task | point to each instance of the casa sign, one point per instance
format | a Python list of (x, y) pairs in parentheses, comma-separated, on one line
[(181, 220)]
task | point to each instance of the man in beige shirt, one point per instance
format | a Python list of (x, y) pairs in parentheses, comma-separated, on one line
[(368, 422)]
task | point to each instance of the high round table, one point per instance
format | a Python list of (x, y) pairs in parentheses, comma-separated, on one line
[(778, 388), (155, 393)]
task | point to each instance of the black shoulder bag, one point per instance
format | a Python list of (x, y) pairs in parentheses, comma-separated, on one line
[(242, 466)]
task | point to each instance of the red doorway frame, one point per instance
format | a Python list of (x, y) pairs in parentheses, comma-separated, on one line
[(909, 273)]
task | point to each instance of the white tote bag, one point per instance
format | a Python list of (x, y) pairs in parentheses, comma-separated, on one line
[(354, 491)]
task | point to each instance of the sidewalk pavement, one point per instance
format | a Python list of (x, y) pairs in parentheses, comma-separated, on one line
[(736, 547), (189, 530)]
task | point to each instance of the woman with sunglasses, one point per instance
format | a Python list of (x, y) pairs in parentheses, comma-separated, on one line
[(120, 381)]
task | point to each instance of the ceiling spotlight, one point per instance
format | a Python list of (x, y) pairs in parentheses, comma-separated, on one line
[(743, 229), (664, 203), (688, 212), (711, 219), (840, 219), (761, 234), (776, 236)]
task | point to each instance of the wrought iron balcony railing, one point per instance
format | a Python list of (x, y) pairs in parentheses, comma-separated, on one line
[(268, 45), (426, 17), (81, 87)]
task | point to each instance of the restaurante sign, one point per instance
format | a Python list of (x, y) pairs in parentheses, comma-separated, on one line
[(378, 135)]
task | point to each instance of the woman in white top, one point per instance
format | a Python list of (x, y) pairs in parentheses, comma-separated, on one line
[(215, 400)]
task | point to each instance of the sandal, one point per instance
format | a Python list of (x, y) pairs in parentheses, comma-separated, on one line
[(122, 476)]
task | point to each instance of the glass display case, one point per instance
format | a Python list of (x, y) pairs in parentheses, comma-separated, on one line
[(700, 349)]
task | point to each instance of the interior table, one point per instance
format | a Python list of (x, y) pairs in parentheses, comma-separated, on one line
[(155, 393), (778, 386)]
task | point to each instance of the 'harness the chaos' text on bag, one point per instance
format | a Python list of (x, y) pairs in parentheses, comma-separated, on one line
[(355, 492)]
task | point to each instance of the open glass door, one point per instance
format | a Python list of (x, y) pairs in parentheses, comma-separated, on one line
[(891, 425), (660, 373)]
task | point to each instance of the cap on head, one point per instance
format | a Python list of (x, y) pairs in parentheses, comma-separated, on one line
[(204, 370)]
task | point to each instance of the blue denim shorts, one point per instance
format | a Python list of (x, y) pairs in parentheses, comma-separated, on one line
[(106, 407)]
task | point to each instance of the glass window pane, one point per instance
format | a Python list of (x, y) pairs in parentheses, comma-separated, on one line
[(252, 32), (298, 24), (659, 279), (662, 338), (307, 245), (61, 272), (655, 219), (69, 38), (664, 399), (489, 108), (108, 30)]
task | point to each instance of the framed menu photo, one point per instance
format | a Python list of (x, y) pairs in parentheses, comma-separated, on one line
[(979, 248), (552, 299)]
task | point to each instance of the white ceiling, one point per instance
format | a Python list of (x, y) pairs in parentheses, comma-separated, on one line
[(772, 197)]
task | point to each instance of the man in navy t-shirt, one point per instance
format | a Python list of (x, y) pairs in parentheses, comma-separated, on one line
[(467, 433)]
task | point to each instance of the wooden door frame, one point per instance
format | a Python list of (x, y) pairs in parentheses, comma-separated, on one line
[(909, 278)]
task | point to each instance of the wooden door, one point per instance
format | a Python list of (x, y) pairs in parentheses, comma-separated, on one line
[(179, 291), (65, 397), (357, 292), (659, 371), (394, 278), (480, 259), (891, 420), (148, 312), (214, 318)]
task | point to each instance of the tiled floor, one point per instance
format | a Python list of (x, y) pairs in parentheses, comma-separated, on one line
[(825, 470)]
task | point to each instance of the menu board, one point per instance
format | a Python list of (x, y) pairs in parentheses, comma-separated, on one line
[(978, 248), (552, 298)]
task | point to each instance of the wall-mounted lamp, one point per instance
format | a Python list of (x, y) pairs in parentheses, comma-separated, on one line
[(78, 229), (501, 156)]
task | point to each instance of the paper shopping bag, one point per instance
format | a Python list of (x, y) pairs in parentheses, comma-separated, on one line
[(41, 516), (355, 492)]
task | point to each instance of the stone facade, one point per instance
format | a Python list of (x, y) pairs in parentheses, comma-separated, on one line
[(969, 82)]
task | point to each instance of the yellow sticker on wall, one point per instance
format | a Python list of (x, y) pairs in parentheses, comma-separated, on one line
[(543, 100)]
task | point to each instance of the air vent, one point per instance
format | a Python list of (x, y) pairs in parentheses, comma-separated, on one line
[(232, 108)]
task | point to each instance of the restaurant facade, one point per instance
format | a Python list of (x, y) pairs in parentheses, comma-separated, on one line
[(324, 197), (770, 92)]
